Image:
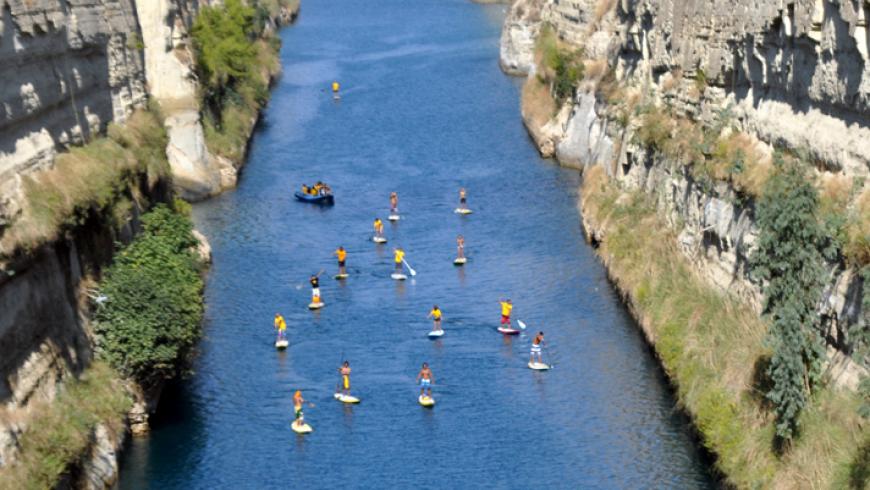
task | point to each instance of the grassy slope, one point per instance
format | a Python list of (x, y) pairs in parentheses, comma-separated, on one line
[(712, 348)]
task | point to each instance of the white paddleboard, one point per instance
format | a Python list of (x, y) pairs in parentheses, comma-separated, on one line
[(316, 306), (346, 398), (539, 366), (301, 429), (379, 239), (436, 333), (340, 276), (398, 277), (462, 211), (508, 331), (426, 401), (460, 261), (281, 344), (393, 217)]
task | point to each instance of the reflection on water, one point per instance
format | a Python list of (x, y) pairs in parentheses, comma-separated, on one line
[(424, 111)]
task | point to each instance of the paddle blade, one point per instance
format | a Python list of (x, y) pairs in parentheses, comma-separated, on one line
[(521, 324)]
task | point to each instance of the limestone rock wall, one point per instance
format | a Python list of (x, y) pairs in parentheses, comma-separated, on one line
[(791, 74)]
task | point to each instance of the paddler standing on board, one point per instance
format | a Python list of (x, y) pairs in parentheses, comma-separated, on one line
[(280, 326), (344, 370), (315, 288), (379, 228), (460, 247), (425, 378), (398, 258), (341, 254), (462, 198), (506, 307), (299, 417), (394, 204), (537, 345), (435, 314), (335, 88)]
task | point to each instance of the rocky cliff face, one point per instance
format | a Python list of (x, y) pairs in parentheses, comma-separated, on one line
[(789, 74), (69, 68)]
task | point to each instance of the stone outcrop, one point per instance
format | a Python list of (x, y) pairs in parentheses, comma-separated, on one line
[(521, 25), (788, 74)]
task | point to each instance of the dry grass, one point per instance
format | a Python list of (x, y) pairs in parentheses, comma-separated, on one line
[(672, 80), (602, 8), (91, 177), (537, 105), (58, 432), (857, 247), (595, 69), (711, 346)]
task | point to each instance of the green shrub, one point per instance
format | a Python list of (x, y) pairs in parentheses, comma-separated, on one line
[(151, 320), (562, 68)]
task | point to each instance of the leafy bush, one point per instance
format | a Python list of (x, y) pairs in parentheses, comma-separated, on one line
[(151, 320), (562, 68), (789, 259)]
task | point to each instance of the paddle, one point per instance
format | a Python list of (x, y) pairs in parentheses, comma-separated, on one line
[(412, 271), (521, 324)]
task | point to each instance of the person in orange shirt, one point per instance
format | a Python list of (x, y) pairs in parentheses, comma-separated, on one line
[(341, 253)]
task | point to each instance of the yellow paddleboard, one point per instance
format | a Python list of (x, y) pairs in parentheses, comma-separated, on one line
[(426, 401), (340, 276), (539, 366), (316, 306), (301, 428), (460, 261), (462, 211), (346, 398)]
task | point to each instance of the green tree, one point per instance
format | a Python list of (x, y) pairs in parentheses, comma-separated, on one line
[(789, 259)]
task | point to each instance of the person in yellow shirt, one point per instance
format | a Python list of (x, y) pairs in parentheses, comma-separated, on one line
[(398, 257), (506, 307), (379, 228), (436, 318), (280, 326), (341, 253)]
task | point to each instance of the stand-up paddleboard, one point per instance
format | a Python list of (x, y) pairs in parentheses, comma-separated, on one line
[(398, 276), (336, 97), (462, 211), (339, 277), (426, 401), (394, 217), (539, 366), (316, 306), (346, 398), (281, 344), (508, 331), (301, 428), (379, 239), (460, 261), (434, 334)]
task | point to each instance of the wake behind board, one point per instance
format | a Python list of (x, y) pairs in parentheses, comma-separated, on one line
[(539, 366), (346, 398), (460, 261), (434, 334), (508, 331), (379, 239), (281, 344), (316, 306), (462, 211), (394, 217), (339, 277), (426, 401), (399, 277), (301, 428)]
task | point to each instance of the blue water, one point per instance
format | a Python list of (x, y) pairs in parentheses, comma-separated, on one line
[(424, 111)]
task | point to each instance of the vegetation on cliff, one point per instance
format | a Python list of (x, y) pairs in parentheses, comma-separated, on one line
[(236, 56), (713, 348), (100, 178), (59, 432), (559, 68), (151, 319)]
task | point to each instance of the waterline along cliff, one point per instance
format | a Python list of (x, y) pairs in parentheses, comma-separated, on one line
[(108, 122), (725, 160)]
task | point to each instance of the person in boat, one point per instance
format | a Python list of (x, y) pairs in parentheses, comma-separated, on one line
[(425, 378), (280, 326), (460, 247), (506, 307), (398, 257), (315, 288), (344, 371), (317, 188), (462, 197), (325, 190), (341, 253), (394, 203), (537, 344), (298, 416), (435, 314)]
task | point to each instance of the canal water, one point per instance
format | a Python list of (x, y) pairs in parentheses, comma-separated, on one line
[(424, 110)]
